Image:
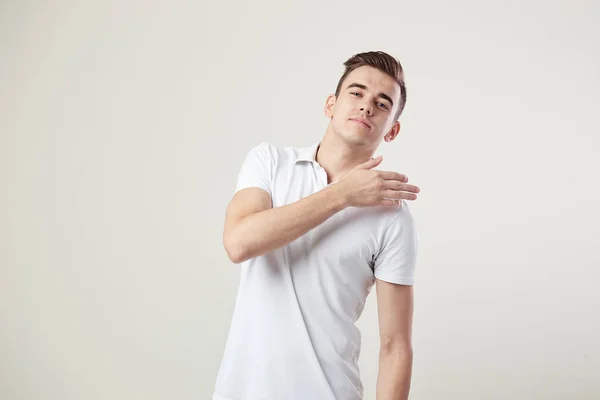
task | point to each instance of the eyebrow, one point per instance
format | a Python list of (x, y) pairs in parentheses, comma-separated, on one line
[(361, 86)]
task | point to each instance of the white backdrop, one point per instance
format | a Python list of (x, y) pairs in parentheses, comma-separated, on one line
[(123, 125)]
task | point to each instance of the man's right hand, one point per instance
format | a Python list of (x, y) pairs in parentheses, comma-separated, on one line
[(363, 187)]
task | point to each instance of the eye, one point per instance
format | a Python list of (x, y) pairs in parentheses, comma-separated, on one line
[(383, 105), (355, 93)]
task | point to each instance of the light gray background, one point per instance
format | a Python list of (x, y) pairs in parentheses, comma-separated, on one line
[(123, 126)]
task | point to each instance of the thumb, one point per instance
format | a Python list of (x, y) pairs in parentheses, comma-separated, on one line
[(372, 163)]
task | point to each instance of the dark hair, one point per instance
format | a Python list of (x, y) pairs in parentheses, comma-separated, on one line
[(383, 62)]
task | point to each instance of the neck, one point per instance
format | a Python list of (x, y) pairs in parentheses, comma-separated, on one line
[(338, 156)]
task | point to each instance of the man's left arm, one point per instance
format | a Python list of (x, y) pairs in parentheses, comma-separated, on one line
[(395, 313)]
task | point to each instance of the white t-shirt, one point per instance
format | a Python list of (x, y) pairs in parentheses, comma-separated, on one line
[(293, 333)]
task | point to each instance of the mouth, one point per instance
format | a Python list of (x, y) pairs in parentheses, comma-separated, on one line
[(360, 122)]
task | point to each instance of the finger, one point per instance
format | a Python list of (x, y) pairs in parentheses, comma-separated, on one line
[(398, 195), (391, 203), (393, 176), (372, 163), (395, 185)]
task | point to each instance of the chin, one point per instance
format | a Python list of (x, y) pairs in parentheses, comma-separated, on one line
[(354, 138)]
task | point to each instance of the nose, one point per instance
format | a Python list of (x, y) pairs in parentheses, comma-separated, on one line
[(366, 108)]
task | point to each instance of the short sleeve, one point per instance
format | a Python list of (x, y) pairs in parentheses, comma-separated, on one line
[(256, 169), (398, 256)]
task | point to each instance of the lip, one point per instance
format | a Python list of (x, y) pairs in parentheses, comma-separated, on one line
[(361, 121)]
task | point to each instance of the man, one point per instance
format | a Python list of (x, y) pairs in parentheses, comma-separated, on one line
[(314, 228)]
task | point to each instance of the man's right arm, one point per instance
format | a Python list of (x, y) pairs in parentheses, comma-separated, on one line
[(253, 227)]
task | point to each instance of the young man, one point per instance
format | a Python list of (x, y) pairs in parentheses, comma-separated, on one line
[(314, 228)]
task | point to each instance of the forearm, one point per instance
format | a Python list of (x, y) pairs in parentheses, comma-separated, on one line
[(395, 370), (271, 229)]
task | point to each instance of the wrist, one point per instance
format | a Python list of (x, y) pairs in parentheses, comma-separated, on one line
[(337, 197)]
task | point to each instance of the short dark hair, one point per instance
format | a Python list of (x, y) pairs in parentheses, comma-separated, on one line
[(383, 62)]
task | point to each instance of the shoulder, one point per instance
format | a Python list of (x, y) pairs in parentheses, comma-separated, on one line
[(404, 214), (384, 224), (397, 224), (263, 147), (278, 155), (263, 152), (271, 149), (386, 217)]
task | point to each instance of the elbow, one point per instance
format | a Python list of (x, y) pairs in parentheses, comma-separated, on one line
[(235, 251), (398, 347)]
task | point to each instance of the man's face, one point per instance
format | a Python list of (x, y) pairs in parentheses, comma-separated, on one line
[(363, 112)]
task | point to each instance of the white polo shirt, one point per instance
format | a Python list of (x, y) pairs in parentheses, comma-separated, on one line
[(293, 333)]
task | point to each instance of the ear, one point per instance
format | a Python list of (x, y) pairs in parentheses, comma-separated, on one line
[(391, 135), (329, 105)]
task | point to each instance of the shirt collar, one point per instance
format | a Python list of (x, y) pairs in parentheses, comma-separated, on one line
[(308, 153)]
